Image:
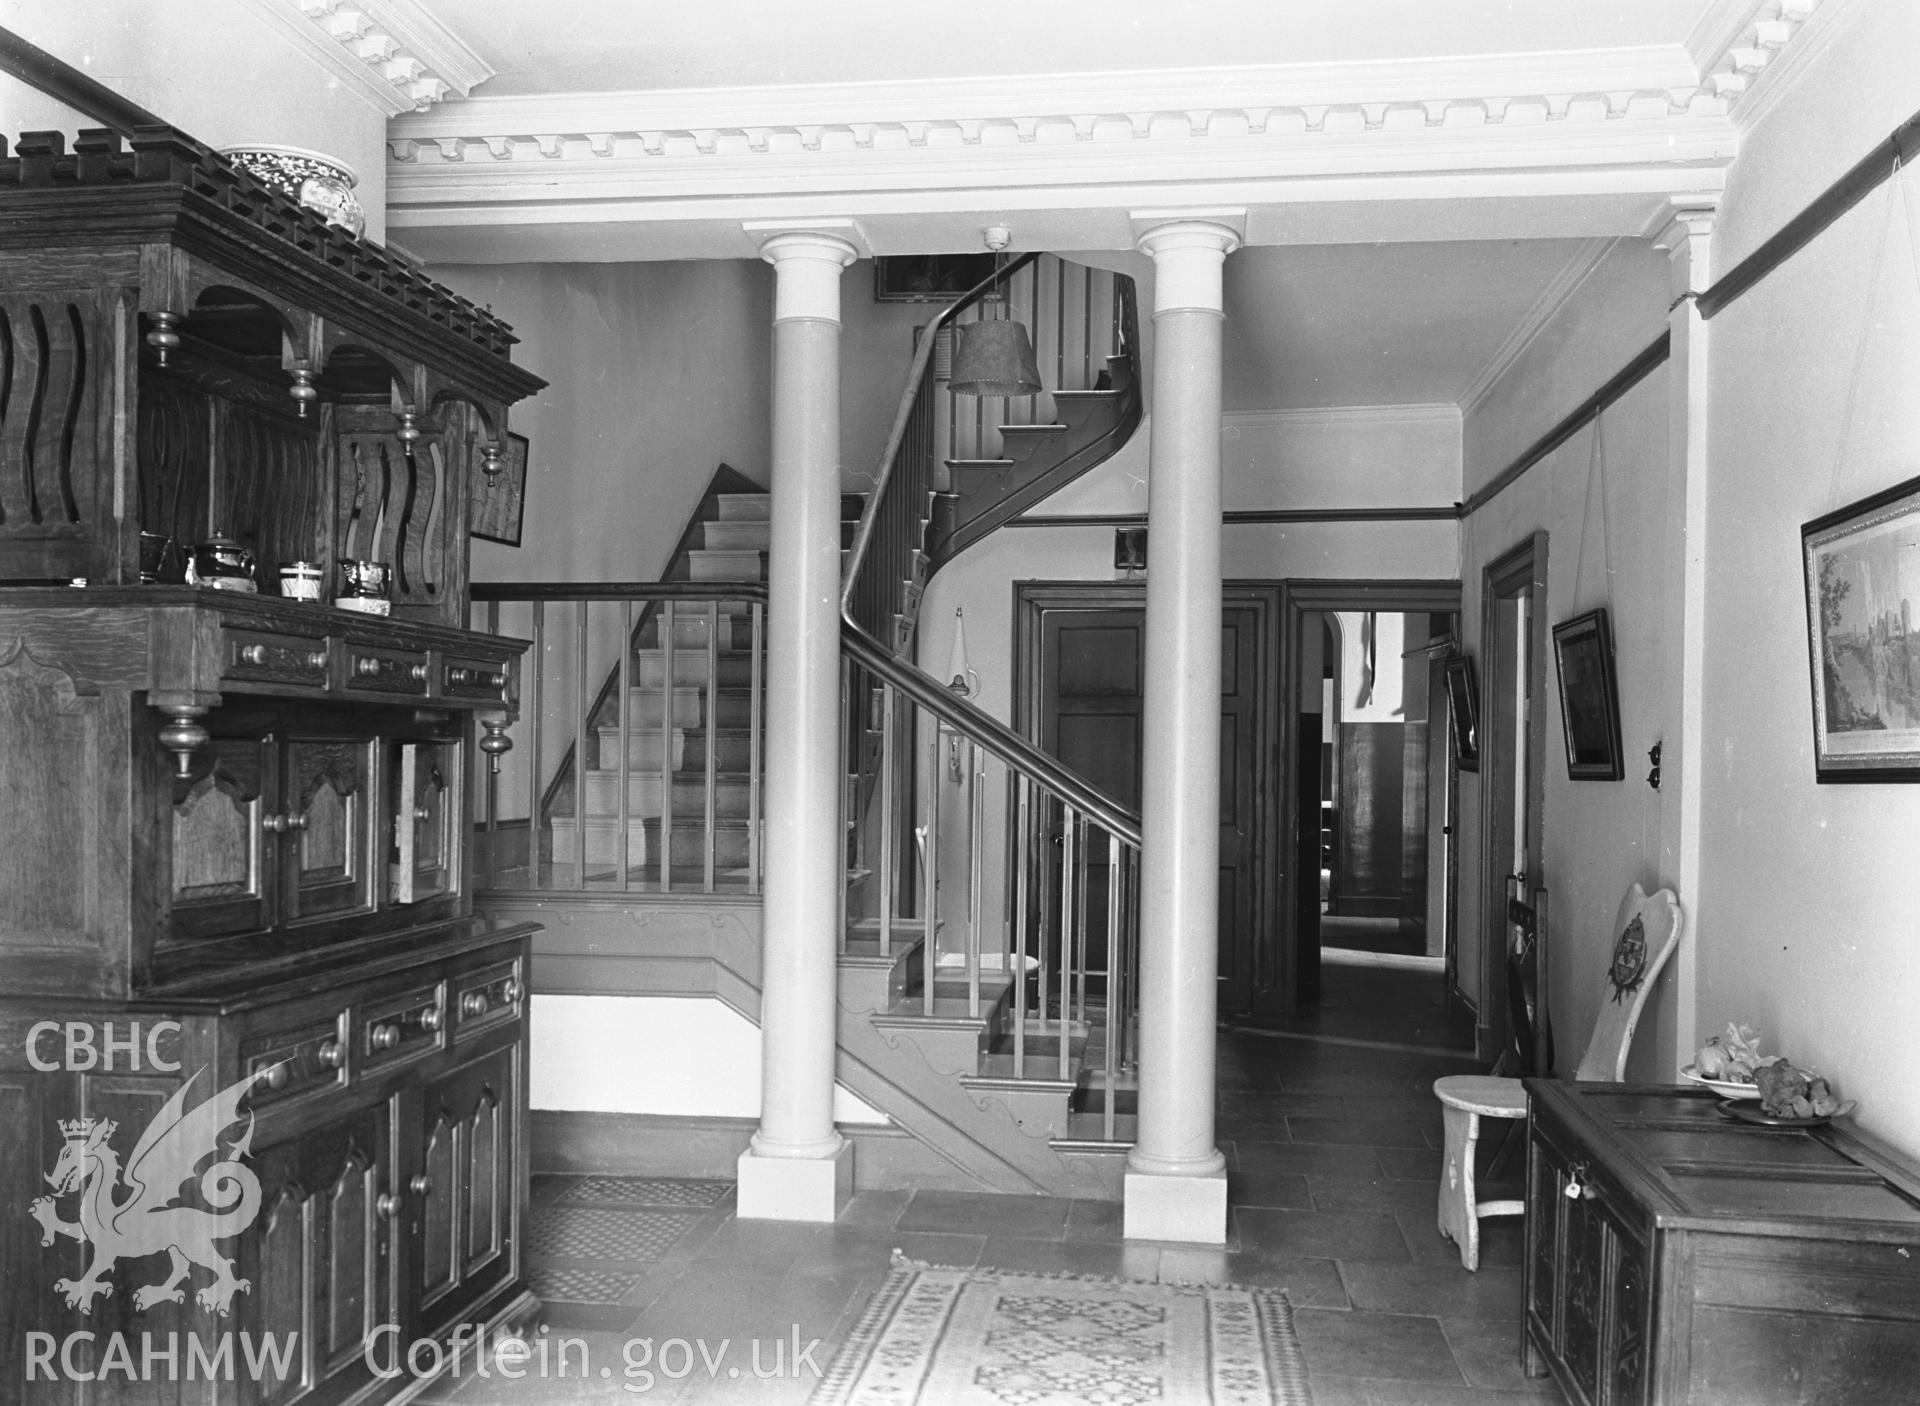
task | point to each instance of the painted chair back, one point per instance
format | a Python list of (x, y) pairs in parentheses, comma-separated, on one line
[(1645, 931)]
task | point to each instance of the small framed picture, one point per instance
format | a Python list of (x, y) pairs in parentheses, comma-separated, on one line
[(1862, 568), (1589, 697), (1463, 711), (500, 499), (928, 278)]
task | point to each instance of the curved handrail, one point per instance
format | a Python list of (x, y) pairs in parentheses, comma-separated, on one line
[(989, 732), (896, 436)]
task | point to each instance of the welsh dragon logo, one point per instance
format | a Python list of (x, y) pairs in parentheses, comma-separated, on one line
[(146, 1221)]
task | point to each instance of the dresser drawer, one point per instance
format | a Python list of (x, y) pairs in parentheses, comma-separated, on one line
[(298, 1061), (372, 668), (402, 1028), (474, 679), (487, 997), (261, 656)]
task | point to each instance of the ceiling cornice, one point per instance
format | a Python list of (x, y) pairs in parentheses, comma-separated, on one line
[(393, 53), (1577, 270)]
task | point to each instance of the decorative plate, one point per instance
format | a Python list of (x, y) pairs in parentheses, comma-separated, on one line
[(1726, 1088), (1753, 1114)]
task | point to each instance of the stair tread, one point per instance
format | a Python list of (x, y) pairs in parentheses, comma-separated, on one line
[(979, 463), (1054, 428)]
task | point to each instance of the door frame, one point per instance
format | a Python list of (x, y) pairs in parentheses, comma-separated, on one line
[(1280, 993), (1522, 567), (1033, 599)]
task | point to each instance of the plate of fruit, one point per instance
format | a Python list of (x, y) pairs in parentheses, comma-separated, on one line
[(1726, 1063), (1789, 1098)]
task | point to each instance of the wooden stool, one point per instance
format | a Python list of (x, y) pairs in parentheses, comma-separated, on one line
[(1466, 1099)]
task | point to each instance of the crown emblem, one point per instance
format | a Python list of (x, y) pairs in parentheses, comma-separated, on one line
[(77, 1129)]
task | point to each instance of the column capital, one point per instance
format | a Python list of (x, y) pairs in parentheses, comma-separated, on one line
[(1686, 234), (1187, 259), (807, 264)]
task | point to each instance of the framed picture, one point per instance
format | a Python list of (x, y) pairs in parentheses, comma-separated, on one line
[(1463, 711), (928, 278), (1862, 568), (499, 501), (1589, 697)]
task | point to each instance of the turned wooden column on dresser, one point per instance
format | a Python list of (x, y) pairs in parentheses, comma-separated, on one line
[(263, 1073)]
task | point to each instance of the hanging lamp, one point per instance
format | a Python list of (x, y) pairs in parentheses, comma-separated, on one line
[(994, 357)]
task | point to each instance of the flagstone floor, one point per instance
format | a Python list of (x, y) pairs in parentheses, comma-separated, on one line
[(662, 1294)]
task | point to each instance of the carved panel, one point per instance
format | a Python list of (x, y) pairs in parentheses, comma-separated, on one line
[(51, 859), (439, 1270), (330, 844), (173, 449), (352, 1227), (1627, 1325), (51, 351), (1585, 1264)]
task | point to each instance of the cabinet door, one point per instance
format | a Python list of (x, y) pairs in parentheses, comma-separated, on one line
[(467, 1207), (426, 810), (328, 818), (321, 1259), (223, 881)]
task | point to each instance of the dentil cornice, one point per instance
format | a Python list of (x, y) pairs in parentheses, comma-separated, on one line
[(394, 53)]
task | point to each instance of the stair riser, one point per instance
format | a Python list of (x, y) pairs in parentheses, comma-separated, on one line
[(732, 799), (690, 667), (726, 566), (690, 628), (744, 507), (738, 536), (733, 749), (689, 842), (647, 708)]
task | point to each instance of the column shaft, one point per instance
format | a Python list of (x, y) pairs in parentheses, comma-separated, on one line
[(798, 1167), (1176, 1185)]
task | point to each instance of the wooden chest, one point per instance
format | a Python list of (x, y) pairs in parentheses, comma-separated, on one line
[(1676, 1255)]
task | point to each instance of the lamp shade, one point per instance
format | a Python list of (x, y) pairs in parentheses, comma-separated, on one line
[(993, 358)]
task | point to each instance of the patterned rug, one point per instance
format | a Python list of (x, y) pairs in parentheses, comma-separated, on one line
[(986, 1337)]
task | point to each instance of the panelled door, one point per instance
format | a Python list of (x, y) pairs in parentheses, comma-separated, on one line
[(1089, 668)]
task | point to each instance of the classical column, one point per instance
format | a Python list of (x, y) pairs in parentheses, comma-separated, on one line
[(797, 1166), (1176, 1182)]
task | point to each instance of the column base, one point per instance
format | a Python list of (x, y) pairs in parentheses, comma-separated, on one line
[(794, 1188), (1192, 1209)]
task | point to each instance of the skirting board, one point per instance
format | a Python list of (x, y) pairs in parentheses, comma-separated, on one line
[(572, 1142)]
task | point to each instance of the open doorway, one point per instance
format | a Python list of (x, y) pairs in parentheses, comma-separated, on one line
[(1370, 895)]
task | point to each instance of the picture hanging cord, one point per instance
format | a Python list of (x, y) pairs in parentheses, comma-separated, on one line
[(1894, 202), (1596, 467)]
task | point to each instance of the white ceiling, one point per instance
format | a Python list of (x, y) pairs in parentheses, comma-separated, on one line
[(1382, 324), (585, 46)]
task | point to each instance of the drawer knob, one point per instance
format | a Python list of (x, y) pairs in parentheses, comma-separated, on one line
[(277, 1075), (418, 673), (280, 824), (388, 1204), (422, 814), (332, 1054), (366, 666), (255, 654), (317, 659), (473, 1003), (385, 1037), (430, 1019), (421, 1185), (510, 990)]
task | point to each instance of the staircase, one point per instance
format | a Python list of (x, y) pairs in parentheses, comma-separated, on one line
[(1000, 1057), (701, 733)]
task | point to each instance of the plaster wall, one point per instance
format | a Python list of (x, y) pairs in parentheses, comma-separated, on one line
[(628, 1054), (1601, 499), (1809, 919), (214, 69)]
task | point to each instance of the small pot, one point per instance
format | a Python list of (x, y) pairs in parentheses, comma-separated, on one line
[(300, 580), (159, 561), (223, 564), (365, 579)]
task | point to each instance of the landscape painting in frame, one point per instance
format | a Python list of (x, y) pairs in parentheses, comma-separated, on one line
[(1862, 568)]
